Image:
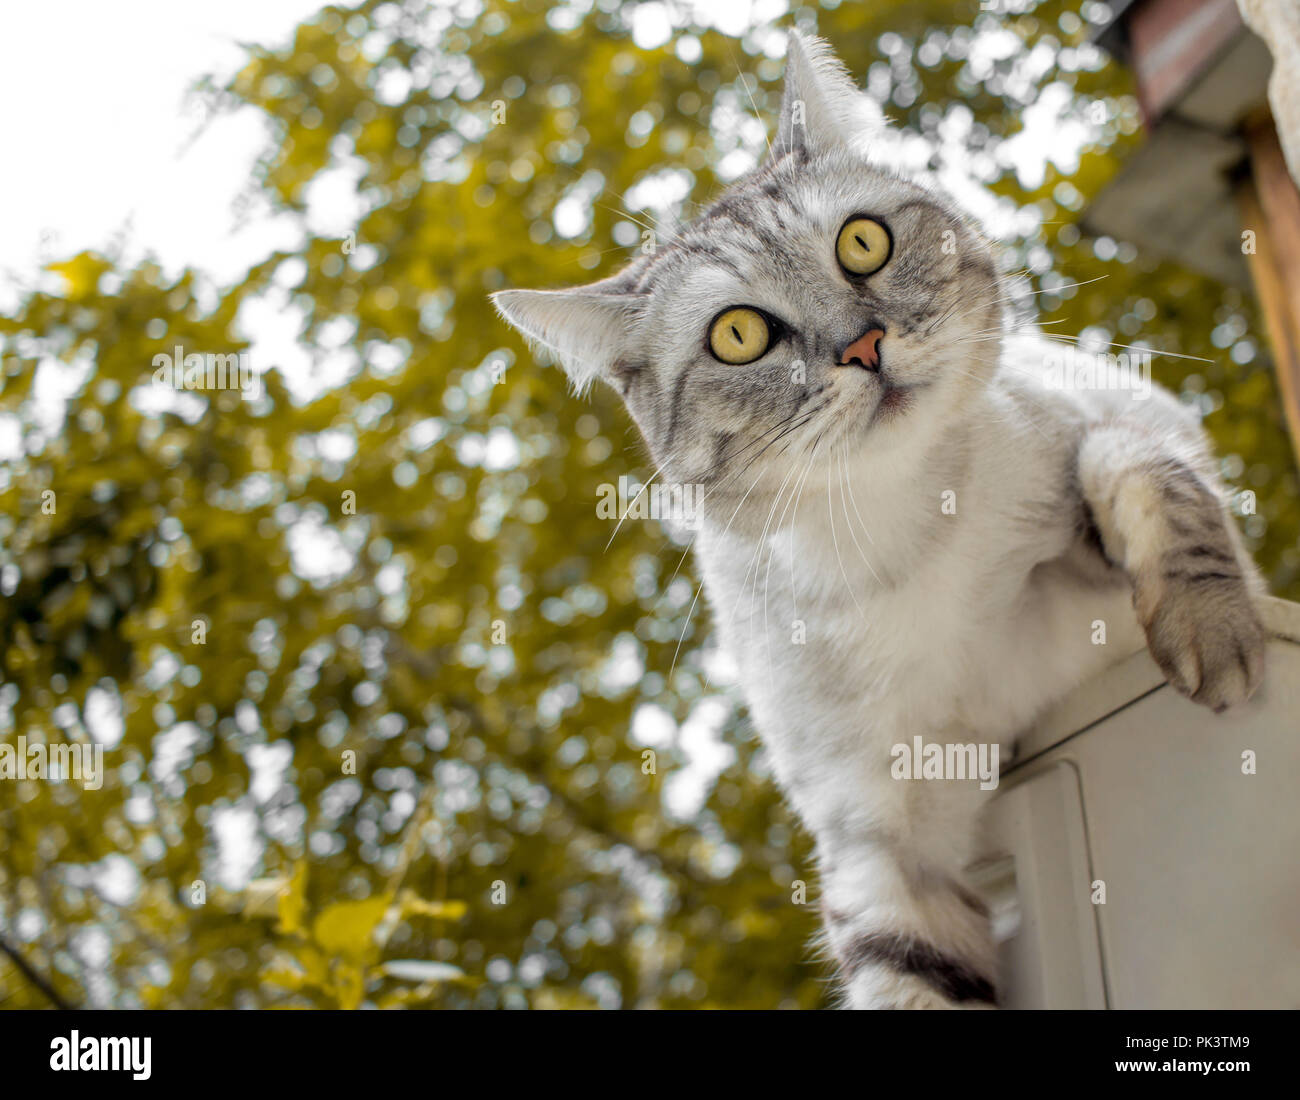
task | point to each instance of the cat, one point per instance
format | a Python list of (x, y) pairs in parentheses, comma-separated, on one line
[(907, 528)]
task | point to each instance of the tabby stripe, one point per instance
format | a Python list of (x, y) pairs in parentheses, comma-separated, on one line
[(679, 390), (1193, 577), (952, 978), (1214, 553), (1179, 486)]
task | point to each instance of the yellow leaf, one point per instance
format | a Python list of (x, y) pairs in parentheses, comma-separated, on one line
[(82, 273), (315, 966), (293, 902), (347, 928)]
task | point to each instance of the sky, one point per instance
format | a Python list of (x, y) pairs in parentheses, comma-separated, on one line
[(95, 100), (95, 103)]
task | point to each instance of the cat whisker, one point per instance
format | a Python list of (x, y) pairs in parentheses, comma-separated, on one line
[(794, 523), (630, 217), (744, 80), (767, 583), (691, 610), (682, 560), (603, 252), (758, 550), (1074, 340), (1052, 290), (804, 419), (630, 507), (685, 626), (1012, 300), (736, 511), (830, 512), (671, 232), (844, 505), (863, 522)]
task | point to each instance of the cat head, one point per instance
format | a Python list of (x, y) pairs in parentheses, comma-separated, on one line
[(824, 306)]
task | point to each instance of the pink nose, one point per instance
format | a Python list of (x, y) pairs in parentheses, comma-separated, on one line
[(865, 350)]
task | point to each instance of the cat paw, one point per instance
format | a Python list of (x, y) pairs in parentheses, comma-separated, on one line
[(1207, 638), (909, 995)]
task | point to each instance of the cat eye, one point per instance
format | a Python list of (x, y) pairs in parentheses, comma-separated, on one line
[(739, 335), (863, 246)]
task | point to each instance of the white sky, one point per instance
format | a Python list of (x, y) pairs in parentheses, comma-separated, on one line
[(94, 127)]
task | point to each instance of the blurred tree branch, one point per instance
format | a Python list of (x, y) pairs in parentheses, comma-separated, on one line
[(32, 975)]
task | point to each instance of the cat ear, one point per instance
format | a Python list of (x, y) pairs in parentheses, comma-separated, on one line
[(822, 107), (588, 329)]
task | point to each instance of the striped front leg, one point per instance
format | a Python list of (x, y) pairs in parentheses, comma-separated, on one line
[(1193, 583), (905, 935)]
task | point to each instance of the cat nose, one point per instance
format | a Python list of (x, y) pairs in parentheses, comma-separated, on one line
[(865, 350)]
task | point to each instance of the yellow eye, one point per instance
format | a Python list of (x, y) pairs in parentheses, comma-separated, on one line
[(863, 246), (739, 336)]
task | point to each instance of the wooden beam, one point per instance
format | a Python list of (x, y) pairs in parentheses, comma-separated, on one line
[(1278, 24), (1270, 209), (1172, 44)]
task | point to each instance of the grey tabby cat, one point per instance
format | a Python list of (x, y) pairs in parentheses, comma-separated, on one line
[(893, 482)]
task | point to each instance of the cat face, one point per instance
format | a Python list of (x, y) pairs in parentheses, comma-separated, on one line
[(822, 307)]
